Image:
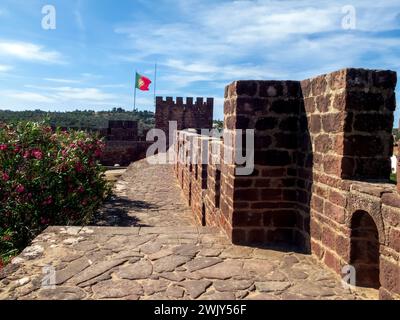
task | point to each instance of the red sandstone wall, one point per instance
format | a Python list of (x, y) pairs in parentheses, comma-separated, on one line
[(191, 114), (314, 141), (263, 206), (124, 152)]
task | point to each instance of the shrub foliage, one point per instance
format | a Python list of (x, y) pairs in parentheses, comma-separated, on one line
[(46, 178)]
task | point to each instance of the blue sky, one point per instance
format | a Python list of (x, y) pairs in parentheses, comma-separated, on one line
[(88, 61)]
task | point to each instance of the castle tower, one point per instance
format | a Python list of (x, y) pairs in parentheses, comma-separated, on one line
[(191, 114)]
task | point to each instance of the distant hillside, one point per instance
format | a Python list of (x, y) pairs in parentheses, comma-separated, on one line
[(81, 119)]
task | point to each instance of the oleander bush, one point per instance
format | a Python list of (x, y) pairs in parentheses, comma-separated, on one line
[(46, 178)]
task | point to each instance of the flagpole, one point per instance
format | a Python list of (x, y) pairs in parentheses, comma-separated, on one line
[(155, 84), (134, 96)]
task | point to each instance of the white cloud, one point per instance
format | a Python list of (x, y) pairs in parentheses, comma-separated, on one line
[(29, 51), (82, 94), (31, 97), (5, 68), (59, 80)]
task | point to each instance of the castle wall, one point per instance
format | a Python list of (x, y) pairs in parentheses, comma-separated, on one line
[(264, 205), (191, 114), (321, 178)]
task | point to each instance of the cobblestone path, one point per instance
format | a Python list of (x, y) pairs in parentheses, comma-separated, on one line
[(146, 195), (161, 255), (161, 263)]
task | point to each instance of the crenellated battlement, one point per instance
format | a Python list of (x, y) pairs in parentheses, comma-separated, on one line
[(187, 102), (186, 112)]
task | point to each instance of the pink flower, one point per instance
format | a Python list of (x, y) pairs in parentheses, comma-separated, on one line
[(78, 167), (26, 154), (6, 177), (48, 201), (20, 188), (3, 147), (37, 154), (44, 220), (81, 189), (97, 153)]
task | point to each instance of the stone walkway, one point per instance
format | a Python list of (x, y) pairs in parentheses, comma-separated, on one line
[(158, 253), (146, 195), (160, 263)]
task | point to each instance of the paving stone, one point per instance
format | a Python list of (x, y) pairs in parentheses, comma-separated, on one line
[(150, 248), (277, 276), (61, 293), (262, 296), (241, 294), (172, 276), (210, 252), (236, 252), (139, 270), (202, 262), (116, 289), (72, 269), (195, 288), (160, 254), (267, 254), (174, 292), (153, 286), (310, 289), (289, 261), (169, 263), (96, 270), (223, 270), (102, 277), (189, 250), (218, 296), (298, 274), (232, 285), (257, 267), (272, 286)]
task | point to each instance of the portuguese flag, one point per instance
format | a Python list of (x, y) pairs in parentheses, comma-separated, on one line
[(142, 83)]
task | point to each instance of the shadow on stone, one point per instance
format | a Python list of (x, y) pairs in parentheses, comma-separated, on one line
[(119, 212)]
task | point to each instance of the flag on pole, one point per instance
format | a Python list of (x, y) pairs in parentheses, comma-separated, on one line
[(142, 83)]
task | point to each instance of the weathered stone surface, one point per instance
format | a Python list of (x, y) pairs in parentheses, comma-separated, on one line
[(189, 250), (153, 286), (117, 289), (150, 248), (202, 262), (224, 270), (259, 267), (232, 285), (174, 292), (102, 277), (218, 296), (210, 252), (71, 270), (160, 254), (195, 288), (262, 296), (272, 286), (237, 252), (172, 276), (169, 263), (61, 293), (96, 270), (140, 270)]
